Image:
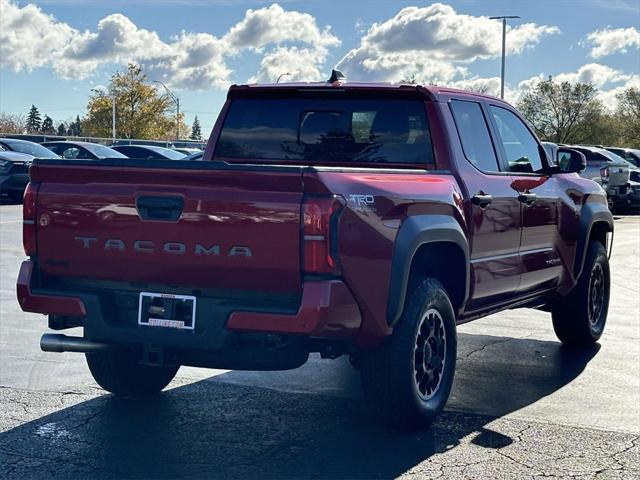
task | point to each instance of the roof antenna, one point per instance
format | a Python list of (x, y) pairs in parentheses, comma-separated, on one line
[(336, 76)]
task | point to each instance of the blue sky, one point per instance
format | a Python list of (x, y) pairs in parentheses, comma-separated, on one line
[(446, 43)]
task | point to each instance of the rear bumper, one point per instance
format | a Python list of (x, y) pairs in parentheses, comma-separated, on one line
[(44, 302), (327, 310), (226, 335)]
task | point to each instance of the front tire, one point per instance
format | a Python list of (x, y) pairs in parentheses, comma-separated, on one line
[(580, 317), (408, 379), (119, 372)]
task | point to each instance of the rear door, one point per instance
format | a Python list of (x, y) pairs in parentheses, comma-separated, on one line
[(232, 228), (538, 194), (493, 211)]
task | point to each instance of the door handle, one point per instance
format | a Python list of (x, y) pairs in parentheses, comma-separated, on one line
[(481, 199), (160, 208), (527, 198)]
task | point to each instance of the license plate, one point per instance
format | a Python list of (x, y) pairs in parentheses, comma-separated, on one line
[(166, 310)]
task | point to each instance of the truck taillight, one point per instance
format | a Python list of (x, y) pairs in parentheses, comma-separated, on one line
[(29, 219), (319, 234)]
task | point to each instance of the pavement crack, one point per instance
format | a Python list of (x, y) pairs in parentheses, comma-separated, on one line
[(491, 344)]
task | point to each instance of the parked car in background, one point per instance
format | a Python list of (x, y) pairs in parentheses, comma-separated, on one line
[(187, 151), (14, 173), (608, 169), (149, 151), (83, 150), (195, 156), (24, 146), (631, 155)]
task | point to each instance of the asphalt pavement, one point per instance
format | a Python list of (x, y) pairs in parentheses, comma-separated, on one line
[(521, 406)]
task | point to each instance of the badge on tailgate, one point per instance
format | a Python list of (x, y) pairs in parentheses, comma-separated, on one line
[(167, 310)]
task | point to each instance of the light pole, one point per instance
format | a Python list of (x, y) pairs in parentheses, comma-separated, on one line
[(283, 75), (113, 111), (504, 36), (177, 101)]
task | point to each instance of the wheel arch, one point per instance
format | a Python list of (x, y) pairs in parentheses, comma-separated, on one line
[(596, 221), (429, 245)]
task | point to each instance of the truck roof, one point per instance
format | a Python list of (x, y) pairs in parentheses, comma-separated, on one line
[(431, 92)]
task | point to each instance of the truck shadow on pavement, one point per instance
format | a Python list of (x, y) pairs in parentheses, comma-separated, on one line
[(226, 429)]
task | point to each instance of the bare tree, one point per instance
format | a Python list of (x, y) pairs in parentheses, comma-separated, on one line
[(628, 113), (12, 123), (564, 112)]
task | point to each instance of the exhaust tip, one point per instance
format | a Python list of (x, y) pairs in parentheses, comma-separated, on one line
[(56, 342)]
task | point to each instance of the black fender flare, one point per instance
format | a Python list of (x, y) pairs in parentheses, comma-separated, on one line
[(590, 214), (415, 232)]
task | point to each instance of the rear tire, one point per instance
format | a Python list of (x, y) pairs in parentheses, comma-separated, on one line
[(580, 317), (408, 379), (119, 372)]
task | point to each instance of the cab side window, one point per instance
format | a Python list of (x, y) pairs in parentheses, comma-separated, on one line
[(474, 135), (518, 143)]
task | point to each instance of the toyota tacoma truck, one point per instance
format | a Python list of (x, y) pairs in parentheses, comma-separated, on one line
[(335, 218)]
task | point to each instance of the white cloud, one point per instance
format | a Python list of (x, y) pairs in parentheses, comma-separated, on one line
[(275, 25), (434, 43), (612, 40), (30, 39), (488, 86), (608, 97), (599, 75), (302, 64), (595, 73)]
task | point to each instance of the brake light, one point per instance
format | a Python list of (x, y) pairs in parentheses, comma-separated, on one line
[(604, 172), (319, 234), (29, 219)]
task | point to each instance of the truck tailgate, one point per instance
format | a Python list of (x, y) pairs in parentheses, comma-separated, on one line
[(219, 228)]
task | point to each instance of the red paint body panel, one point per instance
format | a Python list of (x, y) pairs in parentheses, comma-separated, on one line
[(327, 310), (93, 226), (45, 304)]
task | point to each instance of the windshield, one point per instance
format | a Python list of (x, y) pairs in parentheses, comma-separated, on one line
[(31, 148), (611, 156), (103, 152), (167, 152), (321, 130)]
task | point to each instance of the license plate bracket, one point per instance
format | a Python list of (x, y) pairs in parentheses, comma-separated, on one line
[(166, 310)]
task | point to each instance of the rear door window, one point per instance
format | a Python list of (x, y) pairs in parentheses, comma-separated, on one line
[(327, 130), (474, 135)]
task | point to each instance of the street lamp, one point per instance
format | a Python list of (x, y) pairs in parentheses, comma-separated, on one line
[(504, 36), (177, 102), (113, 111), (284, 75)]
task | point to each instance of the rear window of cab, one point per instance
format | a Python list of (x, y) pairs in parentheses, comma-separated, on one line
[(327, 131)]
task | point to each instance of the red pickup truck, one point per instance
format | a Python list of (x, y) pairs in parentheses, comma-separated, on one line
[(346, 219)]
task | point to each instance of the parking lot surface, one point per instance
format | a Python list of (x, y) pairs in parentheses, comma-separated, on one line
[(521, 407)]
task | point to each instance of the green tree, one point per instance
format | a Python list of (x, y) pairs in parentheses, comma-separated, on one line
[(47, 126), (562, 112), (62, 129), (196, 132), (75, 127), (33, 120), (142, 111), (628, 114)]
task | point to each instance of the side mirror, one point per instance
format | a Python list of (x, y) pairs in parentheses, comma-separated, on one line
[(571, 161)]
